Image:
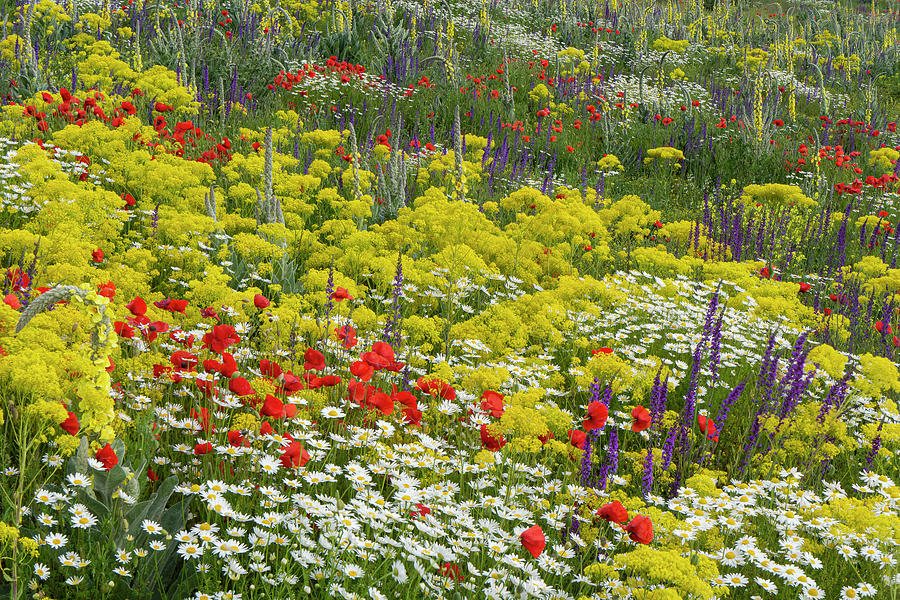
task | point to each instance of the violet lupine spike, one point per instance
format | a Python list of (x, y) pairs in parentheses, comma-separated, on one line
[(586, 464), (607, 396), (392, 327), (876, 445), (655, 393), (329, 303), (596, 390), (613, 451), (669, 447), (647, 477), (836, 396), (715, 347), (725, 409)]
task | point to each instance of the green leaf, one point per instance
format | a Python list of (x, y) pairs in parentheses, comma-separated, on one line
[(99, 509), (135, 516), (114, 478), (174, 517), (160, 498)]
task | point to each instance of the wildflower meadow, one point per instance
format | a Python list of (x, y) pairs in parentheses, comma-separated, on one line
[(400, 299)]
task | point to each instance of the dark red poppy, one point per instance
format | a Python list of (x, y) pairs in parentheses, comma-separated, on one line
[(220, 338), (182, 359), (577, 437), (70, 425), (107, 290), (708, 427), (260, 301), (491, 441), (596, 417), (229, 366), (492, 402), (209, 313), (614, 512), (235, 438), (340, 293), (107, 456), (347, 336), (272, 407), (437, 388), (137, 307), (269, 368), (362, 371), (641, 419), (640, 530), (383, 403), (381, 356), (295, 455), (240, 387), (201, 449), (533, 540), (314, 360)]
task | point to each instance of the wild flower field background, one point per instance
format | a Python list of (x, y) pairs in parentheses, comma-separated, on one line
[(558, 299)]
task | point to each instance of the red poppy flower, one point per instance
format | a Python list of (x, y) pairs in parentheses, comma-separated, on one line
[(235, 438), (315, 361), (412, 416), (381, 356), (209, 313), (603, 350), (805, 287), (266, 428), (340, 293), (137, 307), (70, 425), (640, 530), (490, 441), (383, 403), (597, 414), (272, 407), (437, 388), (107, 290), (641, 419), (107, 456), (708, 427), (201, 449), (97, 255), (12, 301), (325, 381), (577, 437), (182, 359), (347, 335), (229, 366), (220, 338), (492, 402), (613, 512), (240, 387), (405, 398), (161, 107), (151, 474), (290, 383), (204, 417), (533, 540), (260, 301), (269, 368), (295, 455), (362, 371), (173, 305)]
